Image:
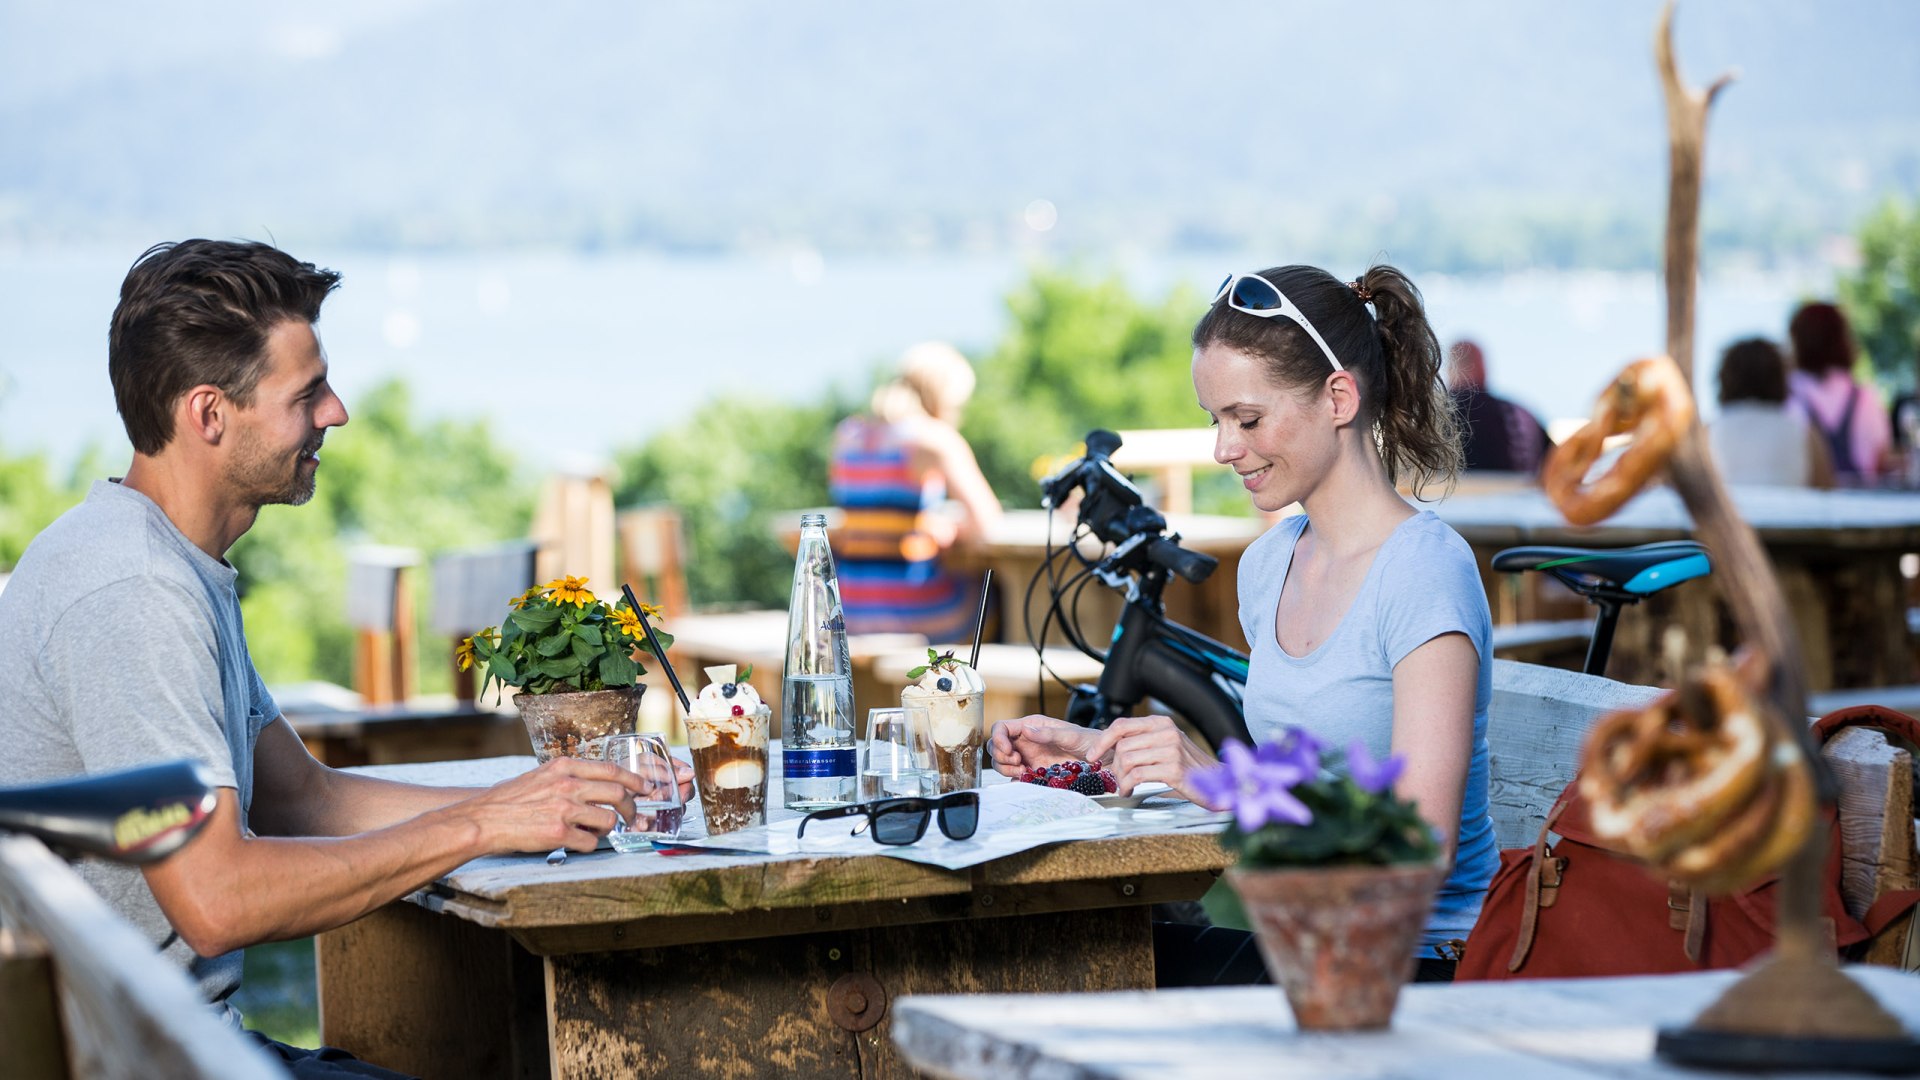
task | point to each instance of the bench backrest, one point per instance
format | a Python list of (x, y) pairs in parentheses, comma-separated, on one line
[(122, 1009), (1540, 716), (1535, 727)]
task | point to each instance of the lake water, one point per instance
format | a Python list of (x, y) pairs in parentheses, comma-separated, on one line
[(632, 341)]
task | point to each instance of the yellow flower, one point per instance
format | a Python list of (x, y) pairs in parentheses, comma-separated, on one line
[(650, 611), (463, 653), (628, 623), (527, 597), (570, 590)]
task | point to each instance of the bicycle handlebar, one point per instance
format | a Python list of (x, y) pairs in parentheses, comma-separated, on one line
[(1115, 511), (135, 816)]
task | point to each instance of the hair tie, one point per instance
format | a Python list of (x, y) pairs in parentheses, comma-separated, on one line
[(1365, 294)]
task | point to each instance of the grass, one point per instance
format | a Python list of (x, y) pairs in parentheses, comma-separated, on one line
[(278, 993)]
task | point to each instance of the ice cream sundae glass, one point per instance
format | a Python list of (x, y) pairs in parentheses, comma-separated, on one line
[(954, 696), (727, 733)]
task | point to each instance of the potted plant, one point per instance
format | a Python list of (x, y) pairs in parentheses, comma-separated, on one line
[(1336, 872), (573, 657)]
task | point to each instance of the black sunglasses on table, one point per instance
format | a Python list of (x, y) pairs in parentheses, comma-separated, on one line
[(903, 821)]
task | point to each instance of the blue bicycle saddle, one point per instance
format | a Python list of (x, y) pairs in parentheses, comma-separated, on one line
[(1641, 571)]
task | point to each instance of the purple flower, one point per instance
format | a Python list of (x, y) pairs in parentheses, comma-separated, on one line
[(1255, 784), (1372, 775)]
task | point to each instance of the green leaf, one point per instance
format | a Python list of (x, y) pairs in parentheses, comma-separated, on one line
[(915, 673), (564, 668), (584, 652), (617, 670), (534, 620), (745, 674), (589, 633), (553, 646), (502, 668)]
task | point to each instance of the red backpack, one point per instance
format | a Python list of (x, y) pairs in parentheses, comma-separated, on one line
[(1579, 907)]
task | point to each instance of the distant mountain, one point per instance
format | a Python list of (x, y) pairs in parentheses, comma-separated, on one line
[(1480, 134)]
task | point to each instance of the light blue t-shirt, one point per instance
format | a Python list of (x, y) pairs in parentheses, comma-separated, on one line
[(1423, 583)]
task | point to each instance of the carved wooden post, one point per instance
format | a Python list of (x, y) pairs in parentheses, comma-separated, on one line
[(1799, 992)]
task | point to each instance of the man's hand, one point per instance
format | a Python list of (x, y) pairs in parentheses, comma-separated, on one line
[(568, 802), (1146, 749), (1035, 742)]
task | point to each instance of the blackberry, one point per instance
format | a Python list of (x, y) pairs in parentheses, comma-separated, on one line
[(1089, 784)]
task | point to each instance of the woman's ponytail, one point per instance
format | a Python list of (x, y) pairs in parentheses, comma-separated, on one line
[(1418, 432)]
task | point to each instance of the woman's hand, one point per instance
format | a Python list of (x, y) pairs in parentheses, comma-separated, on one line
[(1149, 749), (1035, 742)]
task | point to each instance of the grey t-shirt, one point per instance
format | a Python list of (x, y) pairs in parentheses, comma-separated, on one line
[(121, 645), (1423, 583)]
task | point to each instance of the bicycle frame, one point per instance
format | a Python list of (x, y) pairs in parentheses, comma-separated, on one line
[(1186, 671)]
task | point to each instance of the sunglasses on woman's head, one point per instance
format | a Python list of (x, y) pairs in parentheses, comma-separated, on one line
[(1256, 296), (903, 821)]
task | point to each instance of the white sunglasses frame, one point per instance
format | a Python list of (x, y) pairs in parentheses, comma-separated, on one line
[(1287, 310)]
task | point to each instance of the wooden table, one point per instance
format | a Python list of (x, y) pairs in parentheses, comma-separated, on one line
[(1562, 1029), (1837, 555), (724, 965)]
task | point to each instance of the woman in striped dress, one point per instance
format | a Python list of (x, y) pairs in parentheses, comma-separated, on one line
[(896, 473)]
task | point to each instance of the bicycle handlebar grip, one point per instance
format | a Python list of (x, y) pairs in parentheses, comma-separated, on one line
[(1192, 565), (1101, 444), (137, 815)]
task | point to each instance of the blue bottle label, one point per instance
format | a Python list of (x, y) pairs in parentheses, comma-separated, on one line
[(817, 764)]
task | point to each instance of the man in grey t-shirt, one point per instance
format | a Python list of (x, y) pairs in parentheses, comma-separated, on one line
[(121, 642)]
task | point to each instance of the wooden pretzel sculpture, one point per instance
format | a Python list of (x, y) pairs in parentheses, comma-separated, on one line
[(1697, 784), (1650, 399)]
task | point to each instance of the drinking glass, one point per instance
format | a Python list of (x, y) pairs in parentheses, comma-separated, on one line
[(898, 762), (658, 809)]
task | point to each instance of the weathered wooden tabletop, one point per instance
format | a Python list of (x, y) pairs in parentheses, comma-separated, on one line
[(1836, 555), (1854, 520), (590, 968), (1559, 1029)]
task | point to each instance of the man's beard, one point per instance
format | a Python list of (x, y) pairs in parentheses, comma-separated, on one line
[(267, 478)]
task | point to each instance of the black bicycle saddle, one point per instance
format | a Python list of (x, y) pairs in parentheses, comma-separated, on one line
[(134, 816), (1637, 571)]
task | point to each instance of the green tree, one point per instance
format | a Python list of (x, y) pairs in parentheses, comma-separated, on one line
[(388, 477), (1081, 354), (737, 469), (31, 497), (1882, 297)]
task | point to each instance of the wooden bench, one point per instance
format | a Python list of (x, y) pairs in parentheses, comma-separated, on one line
[(84, 994), (1539, 718)]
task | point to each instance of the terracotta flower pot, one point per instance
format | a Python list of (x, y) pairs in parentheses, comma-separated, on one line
[(563, 725), (1339, 940)]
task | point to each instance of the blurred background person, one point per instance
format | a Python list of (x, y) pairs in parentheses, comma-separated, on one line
[(1499, 435), (899, 472), (1756, 439), (1849, 416)]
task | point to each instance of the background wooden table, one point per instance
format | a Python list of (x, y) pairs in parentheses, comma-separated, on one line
[(1837, 555), (1543, 1028), (723, 965)]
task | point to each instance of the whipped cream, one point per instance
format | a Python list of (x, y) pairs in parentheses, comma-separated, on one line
[(954, 714), (712, 715)]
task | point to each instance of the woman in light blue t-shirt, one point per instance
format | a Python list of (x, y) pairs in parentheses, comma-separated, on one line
[(1367, 619)]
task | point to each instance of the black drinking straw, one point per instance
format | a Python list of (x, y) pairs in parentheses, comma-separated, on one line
[(657, 650), (980, 618)]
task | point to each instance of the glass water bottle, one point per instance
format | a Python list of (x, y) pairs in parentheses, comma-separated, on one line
[(816, 725)]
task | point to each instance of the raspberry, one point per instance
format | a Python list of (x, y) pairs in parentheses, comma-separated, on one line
[(1107, 781), (1028, 776), (739, 710), (1059, 782), (1089, 784)]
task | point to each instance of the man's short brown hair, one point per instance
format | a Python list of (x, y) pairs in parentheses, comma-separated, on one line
[(199, 312)]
